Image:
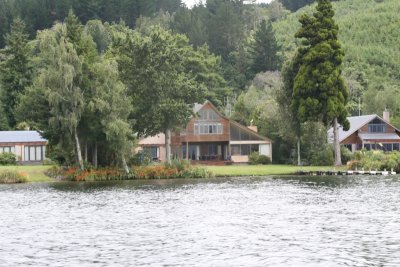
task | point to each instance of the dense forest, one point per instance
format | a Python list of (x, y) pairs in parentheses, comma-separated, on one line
[(231, 52)]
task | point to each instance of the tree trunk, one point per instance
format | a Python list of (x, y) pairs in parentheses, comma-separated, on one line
[(95, 155), (86, 152), (78, 150), (168, 145), (338, 159), (124, 165), (298, 152)]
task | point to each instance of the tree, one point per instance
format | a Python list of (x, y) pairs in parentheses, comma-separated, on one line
[(264, 49), (319, 91), (16, 69), (154, 68)]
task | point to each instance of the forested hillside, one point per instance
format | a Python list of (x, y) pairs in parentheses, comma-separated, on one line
[(369, 32)]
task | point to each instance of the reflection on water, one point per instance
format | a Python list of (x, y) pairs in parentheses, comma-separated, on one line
[(272, 221)]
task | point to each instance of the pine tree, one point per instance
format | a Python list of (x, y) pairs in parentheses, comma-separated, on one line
[(264, 49), (16, 69), (319, 91)]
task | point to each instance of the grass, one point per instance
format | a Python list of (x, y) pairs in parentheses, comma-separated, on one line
[(35, 173), (262, 170)]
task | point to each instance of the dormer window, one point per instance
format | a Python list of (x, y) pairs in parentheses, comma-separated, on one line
[(377, 126)]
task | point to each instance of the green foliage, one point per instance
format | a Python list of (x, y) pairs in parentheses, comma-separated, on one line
[(264, 49), (8, 158), (255, 158), (369, 34), (12, 177), (294, 5), (323, 156), (177, 169), (319, 92), (16, 69), (376, 160), (346, 154)]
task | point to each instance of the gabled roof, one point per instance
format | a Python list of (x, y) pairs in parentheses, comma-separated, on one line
[(355, 124), (198, 107), (20, 137)]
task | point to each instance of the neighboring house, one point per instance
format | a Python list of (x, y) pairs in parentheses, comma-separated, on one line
[(29, 146), (370, 132), (210, 136)]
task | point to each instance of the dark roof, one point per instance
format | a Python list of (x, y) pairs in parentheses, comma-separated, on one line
[(20, 137)]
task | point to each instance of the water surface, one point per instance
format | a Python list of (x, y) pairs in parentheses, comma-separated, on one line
[(304, 221)]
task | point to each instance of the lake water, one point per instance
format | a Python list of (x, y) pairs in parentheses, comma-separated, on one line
[(303, 221)]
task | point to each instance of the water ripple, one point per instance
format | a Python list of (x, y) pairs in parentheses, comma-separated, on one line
[(229, 222)]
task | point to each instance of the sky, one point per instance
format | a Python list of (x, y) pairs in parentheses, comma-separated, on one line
[(190, 3)]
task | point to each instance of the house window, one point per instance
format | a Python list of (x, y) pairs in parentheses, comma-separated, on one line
[(396, 146), (387, 147), (235, 150), (153, 151), (7, 149), (33, 153), (377, 126), (208, 115), (207, 128)]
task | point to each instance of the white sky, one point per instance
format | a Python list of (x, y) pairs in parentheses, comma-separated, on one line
[(190, 3)]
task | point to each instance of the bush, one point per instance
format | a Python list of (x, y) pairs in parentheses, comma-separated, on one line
[(256, 158), (345, 154), (12, 177), (323, 157), (141, 159), (376, 160), (264, 160), (7, 158), (253, 158)]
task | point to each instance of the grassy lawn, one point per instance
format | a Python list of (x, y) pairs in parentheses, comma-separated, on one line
[(260, 170), (35, 173)]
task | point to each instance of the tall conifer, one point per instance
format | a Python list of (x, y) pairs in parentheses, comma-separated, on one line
[(319, 91)]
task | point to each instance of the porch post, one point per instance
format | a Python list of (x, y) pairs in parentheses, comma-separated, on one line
[(187, 150)]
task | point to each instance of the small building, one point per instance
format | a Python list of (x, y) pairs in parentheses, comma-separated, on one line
[(28, 146), (370, 132), (210, 136)]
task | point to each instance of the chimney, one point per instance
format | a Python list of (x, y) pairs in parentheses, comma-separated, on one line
[(253, 128), (386, 115)]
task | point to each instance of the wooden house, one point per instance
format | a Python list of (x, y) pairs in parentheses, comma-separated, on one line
[(370, 132), (28, 146), (211, 137)]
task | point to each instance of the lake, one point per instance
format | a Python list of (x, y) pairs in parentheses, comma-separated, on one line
[(270, 221)]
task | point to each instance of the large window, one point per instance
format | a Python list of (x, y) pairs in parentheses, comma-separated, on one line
[(7, 149), (33, 153), (377, 126), (153, 151), (238, 134), (208, 128), (208, 115), (244, 150)]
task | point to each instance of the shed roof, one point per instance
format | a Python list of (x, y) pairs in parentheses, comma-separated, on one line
[(379, 136), (20, 137)]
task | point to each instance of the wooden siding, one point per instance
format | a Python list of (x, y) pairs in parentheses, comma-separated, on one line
[(188, 135)]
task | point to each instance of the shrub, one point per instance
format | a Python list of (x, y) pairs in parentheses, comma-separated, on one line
[(376, 160), (8, 158), (141, 159), (264, 160), (345, 154), (323, 157), (12, 177), (253, 158)]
